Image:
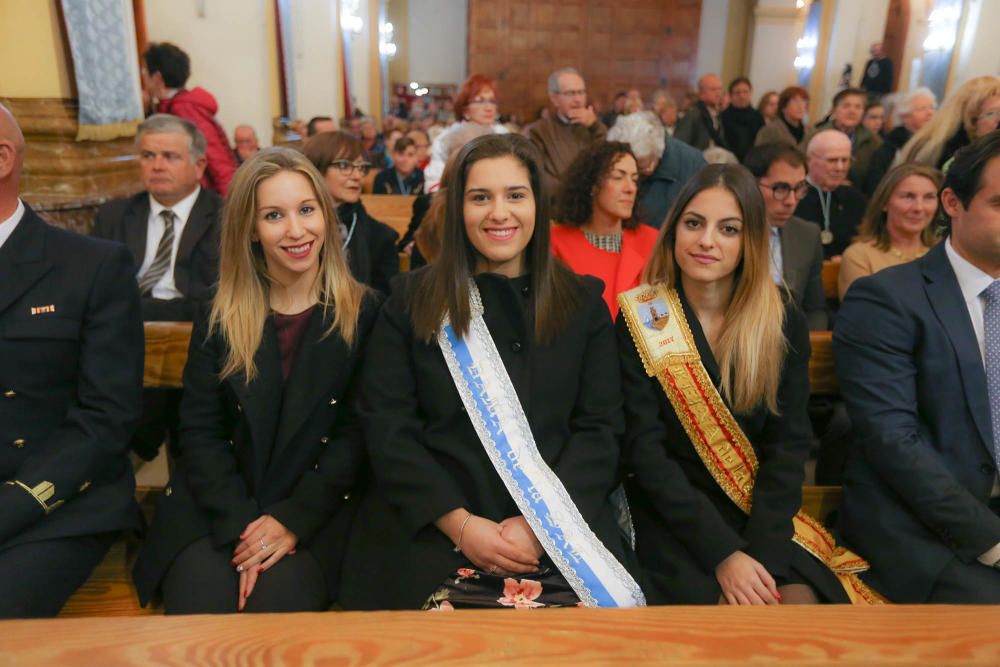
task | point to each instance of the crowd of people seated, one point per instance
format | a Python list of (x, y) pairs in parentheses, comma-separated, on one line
[(591, 388)]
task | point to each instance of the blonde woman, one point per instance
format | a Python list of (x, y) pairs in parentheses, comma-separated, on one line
[(715, 370), (257, 508), (897, 225), (971, 112)]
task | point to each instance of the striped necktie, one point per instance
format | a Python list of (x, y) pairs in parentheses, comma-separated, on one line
[(164, 251), (991, 336)]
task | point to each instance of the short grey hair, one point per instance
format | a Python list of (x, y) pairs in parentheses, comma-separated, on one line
[(366, 120), (643, 131), (906, 103), (554, 77), (164, 123)]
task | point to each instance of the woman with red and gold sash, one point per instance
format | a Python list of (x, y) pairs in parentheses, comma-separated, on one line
[(715, 366)]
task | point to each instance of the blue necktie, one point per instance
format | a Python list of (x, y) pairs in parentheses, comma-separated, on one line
[(991, 336)]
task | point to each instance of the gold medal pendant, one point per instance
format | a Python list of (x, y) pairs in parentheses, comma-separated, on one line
[(826, 237)]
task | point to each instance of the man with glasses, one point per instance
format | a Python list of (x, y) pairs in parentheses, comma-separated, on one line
[(796, 251), (831, 202), (573, 127)]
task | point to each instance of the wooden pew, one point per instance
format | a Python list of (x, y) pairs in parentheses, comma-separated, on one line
[(822, 373), (393, 210), (794, 635), (166, 353), (831, 272)]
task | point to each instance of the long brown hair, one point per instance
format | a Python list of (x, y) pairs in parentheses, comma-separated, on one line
[(752, 345), (443, 287), (874, 226), (241, 304)]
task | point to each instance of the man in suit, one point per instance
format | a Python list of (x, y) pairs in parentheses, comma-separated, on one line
[(831, 203), (796, 251), (917, 349), (701, 127), (71, 352), (172, 229), (177, 258)]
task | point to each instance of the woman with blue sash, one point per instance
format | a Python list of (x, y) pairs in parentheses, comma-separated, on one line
[(491, 405), (715, 373)]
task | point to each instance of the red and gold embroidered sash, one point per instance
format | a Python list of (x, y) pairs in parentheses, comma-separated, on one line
[(666, 346)]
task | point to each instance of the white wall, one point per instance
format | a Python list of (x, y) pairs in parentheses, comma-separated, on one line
[(980, 49), (777, 26), (856, 25), (711, 38), (318, 80), (228, 54), (358, 60), (439, 37)]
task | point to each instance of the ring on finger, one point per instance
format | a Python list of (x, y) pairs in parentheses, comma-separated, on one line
[(263, 547), (493, 569)]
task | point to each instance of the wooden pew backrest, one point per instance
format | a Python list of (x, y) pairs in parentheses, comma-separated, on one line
[(166, 353), (393, 210)]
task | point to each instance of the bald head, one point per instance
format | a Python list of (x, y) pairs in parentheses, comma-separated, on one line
[(11, 156), (829, 155), (710, 91)]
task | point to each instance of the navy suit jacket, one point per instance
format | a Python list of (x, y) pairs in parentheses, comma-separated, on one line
[(920, 469)]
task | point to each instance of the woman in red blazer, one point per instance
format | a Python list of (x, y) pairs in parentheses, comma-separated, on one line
[(598, 233)]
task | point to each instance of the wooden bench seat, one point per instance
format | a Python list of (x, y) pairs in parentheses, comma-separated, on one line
[(393, 210)]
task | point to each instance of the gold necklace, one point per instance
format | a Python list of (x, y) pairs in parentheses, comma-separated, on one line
[(898, 254)]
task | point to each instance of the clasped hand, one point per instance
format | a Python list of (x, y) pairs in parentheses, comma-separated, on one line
[(745, 581), (508, 547), (262, 543)]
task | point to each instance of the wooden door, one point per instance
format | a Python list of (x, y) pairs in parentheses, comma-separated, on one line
[(894, 39)]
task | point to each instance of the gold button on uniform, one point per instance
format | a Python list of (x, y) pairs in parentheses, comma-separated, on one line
[(10, 393), (19, 443), (85, 486), (333, 401), (167, 491), (347, 496), (324, 439)]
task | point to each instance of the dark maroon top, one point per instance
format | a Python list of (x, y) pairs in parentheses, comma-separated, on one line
[(290, 329)]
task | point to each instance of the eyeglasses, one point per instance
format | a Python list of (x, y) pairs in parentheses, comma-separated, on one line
[(573, 93), (345, 167), (781, 190), (484, 101)]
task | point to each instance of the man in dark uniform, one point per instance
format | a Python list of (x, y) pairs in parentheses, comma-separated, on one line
[(71, 364)]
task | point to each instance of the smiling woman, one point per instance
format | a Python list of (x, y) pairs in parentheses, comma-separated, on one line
[(255, 515), (491, 391)]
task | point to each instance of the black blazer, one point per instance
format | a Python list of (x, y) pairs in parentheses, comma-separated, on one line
[(196, 269), (70, 382), (427, 459), (685, 524), (920, 469), (371, 252), (290, 451), (387, 182)]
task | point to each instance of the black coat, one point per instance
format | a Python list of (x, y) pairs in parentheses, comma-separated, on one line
[(884, 156), (291, 451), (70, 382), (371, 251), (741, 128), (196, 268), (428, 460), (847, 207), (387, 182), (685, 523)]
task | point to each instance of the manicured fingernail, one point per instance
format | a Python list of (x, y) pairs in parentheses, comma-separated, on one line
[(260, 570), (239, 568), (778, 595)]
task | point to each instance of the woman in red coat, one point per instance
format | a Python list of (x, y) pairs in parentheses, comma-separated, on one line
[(598, 233)]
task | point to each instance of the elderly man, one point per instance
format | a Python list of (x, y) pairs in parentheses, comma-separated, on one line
[(796, 251), (172, 229), (848, 110), (917, 348), (665, 109), (71, 350), (832, 203), (247, 144), (701, 126), (914, 111), (573, 127), (166, 71), (665, 164)]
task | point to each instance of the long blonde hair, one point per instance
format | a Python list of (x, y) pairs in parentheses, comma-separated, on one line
[(752, 344), (959, 110), (242, 304)]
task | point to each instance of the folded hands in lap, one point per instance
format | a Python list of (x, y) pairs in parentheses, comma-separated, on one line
[(262, 543)]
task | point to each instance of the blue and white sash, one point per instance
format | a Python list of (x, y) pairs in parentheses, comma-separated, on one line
[(598, 579)]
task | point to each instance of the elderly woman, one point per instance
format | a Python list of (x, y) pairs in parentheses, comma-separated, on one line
[(475, 103), (914, 110), (789, 126), (665, 164), (971, 112), (897, 225)]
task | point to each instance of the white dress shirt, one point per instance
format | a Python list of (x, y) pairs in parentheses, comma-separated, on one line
[(972, 281), (777, 263), (165, 288), (8, 226)]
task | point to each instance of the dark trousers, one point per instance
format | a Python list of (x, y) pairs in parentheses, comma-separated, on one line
[(967, 583), (158, 423), (202, 580), (37, 578)]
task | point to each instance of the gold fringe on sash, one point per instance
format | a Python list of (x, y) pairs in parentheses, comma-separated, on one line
[(666, 346), (107, 132)]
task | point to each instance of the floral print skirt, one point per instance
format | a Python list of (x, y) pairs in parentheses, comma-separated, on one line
[(471, 588)]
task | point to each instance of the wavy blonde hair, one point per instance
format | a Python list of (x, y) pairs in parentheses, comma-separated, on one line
[(242, 303), (959, 110), (752, 344)]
